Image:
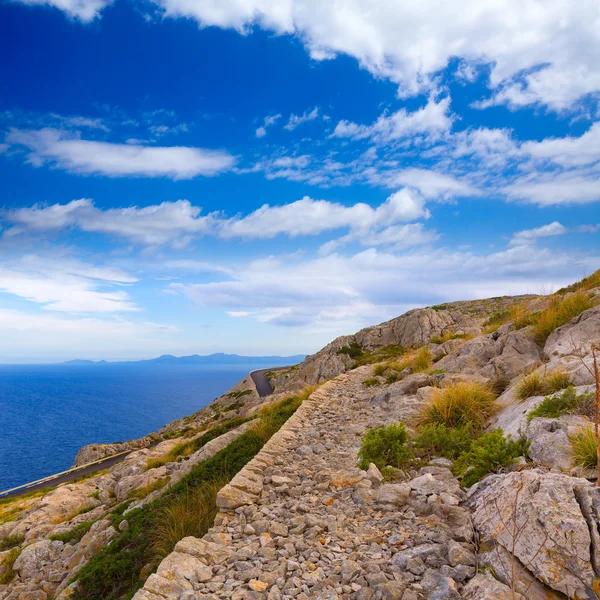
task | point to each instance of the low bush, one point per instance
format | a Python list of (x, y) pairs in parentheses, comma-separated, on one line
[(392, 378), (73, 535), (9, 560), (532, 384), (488, 454), (559, 404), (234, 406), (10, 541), (496, 320), (439, 440), (461, 403), (384, 446), (584, 449), (240, 393), (353, 350), (371, 382)]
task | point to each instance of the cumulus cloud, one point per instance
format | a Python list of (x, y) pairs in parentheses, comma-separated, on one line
[(178, 222), (547, 189), (527, 236), (546, 53), (64, 150)]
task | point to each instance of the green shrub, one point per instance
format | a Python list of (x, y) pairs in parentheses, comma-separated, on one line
[(461, 403), (371, 382), (380, 369), (488, 454), (559, 404), (496, 320), (532, 384), (384, 446), (9, 560), (353, 350), (439, 440), (584, 449), (392, 378), (10, 541), (73, 535), (234, 406), (241, 393)]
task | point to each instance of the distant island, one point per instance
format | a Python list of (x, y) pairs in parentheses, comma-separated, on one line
[(218, 358)]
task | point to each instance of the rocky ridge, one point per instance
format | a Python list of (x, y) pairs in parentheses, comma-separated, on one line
[(302, 521)]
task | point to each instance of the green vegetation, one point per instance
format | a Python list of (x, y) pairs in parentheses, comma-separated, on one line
[(234, 406), (461, 403), (353, 350), (438, 439), (488, 454), (190, 513), (114, 573), (558, 380), (446, 337), (559, 404), (186, 448), (73, 535), (371, 382), (146, 490), (368, 357), (10, 541), (496, 320), (583, 446), (384, 446), (9, 561), (439, 307), (587, 283), (239, 394)]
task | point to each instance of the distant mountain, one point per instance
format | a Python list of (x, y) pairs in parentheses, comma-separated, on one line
[(211, 359)]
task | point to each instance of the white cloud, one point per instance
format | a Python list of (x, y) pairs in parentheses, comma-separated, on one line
[(528, 236), (65, 151), (157, 224), (296, 120), (547, 189), (371, 286), (431, 120), (177, 222), (268, 121), (537, 52), (430, 183), (66, 285), (84, 10)]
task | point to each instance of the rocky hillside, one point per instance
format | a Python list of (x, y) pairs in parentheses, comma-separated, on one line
[(448, 453)]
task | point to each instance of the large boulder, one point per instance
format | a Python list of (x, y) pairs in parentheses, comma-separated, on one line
[(549, 438), (502, 354), (533, 521), (576, 335)]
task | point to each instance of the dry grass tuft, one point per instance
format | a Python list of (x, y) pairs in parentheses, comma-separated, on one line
[(190, 513), (532, 384), (558, 380), (460, 403), (559, 312), (583, 447), (142, 492)]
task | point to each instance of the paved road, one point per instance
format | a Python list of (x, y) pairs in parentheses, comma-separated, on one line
[(262, 384), (263, 387)]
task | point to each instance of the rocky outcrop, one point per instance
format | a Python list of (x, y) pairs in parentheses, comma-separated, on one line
[(576, 335), (502, 354), (535, 518), (94, 452)]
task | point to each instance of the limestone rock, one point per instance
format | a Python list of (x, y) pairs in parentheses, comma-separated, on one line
[(550, 445), (553, 537), (485, 587), (576, 335)]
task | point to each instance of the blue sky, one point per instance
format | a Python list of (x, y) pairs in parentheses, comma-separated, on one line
[(258, 177)]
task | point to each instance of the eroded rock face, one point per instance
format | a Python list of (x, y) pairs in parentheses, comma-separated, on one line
[(505, 353), (576, 335), (536, 517)]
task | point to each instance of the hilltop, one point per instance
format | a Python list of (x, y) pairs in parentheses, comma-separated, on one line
[(448, 453)]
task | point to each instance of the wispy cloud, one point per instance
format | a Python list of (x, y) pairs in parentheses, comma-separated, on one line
[(527, 236), (267, 122), (64, 150), (297, 120)]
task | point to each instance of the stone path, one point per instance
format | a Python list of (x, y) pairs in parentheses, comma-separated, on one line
[(301, 521)]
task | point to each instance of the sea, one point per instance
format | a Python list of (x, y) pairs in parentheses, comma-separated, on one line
[(47, 412)]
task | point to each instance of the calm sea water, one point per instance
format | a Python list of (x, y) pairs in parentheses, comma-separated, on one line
[(47, 412)]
